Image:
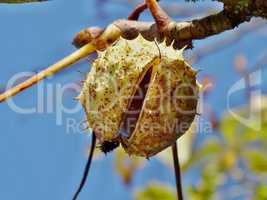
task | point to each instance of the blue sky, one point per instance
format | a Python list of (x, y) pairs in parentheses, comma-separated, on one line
[(39, 160)]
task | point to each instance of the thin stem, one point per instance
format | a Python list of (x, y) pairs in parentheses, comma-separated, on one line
[(87, 167), (177, 172), (65, 62), (161, 17), (137, 11)]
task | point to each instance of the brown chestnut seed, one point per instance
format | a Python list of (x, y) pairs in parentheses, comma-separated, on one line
[(146, 90)]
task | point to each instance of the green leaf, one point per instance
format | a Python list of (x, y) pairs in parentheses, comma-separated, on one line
[(209, 148), (256, 160), (156, 191), (228, 128), (206, 188), (227, 160), (260, 192), (126, 166), (238, 134)]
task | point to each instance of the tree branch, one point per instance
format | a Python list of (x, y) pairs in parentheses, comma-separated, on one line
[(21, 1), (137, 11), (182, 33), (77, 55), (261, 8), (233, 14), (220, 44)]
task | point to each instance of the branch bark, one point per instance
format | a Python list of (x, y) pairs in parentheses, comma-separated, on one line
[(233, 14), (257, 8), (21, 1), (181, 33)]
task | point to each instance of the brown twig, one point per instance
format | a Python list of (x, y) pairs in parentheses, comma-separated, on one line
[(89, 34), (137, 11), (65, 62), (85, 36), (218, 45), (21, 1), (110, 34), (162, 19), (87, 167), (177, 171), (181, 32)]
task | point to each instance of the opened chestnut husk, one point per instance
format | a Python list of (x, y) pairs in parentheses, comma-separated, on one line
[(140, 94)]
